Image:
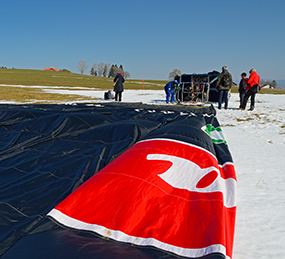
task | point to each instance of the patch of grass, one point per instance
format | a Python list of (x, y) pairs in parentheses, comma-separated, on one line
[(234, 89), (247, 119), (29, 77), (271, 91), (227, 125), (24, 95), (263, 91), (50, 78)]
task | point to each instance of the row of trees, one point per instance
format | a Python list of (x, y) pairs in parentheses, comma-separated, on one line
[(102, 69)]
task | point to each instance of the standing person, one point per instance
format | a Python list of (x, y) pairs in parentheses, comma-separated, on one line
[(118, 86), (242, 88), (223, 85), (169, 90), (251, 89)]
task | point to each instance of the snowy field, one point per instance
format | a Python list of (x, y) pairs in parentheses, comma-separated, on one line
[(256, 141)]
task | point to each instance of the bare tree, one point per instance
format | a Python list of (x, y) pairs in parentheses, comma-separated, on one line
[(174, 73), (127, 74), (82, 66), (100, 68)]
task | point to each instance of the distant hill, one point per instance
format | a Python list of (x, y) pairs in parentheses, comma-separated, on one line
[(34, 77)]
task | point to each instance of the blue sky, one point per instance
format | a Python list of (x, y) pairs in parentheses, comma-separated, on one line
[(149, 38)]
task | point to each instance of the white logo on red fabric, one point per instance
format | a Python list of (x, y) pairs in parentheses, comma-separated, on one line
[(151, 183), (184, 174)]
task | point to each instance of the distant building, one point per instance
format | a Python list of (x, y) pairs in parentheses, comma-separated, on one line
[(267, 86), (51, 69)]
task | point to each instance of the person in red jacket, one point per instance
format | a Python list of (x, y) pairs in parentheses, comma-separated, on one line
[(251, 89)]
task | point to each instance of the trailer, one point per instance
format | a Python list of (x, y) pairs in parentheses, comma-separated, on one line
[(197, 87)]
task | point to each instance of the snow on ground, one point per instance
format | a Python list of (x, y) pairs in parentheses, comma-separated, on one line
[(144, 96), (256, 140), (257, 143)]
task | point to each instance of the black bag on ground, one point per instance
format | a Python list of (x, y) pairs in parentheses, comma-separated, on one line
[(108, 95)]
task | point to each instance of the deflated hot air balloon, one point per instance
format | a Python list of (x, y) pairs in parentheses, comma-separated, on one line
[(117, 181)]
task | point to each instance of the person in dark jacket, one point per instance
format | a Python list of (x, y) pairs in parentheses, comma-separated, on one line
[(223, 85), (118, 86), (242, 88), (251, 89)]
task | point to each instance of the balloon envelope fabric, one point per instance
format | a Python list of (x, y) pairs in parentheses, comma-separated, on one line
[(161, 182)]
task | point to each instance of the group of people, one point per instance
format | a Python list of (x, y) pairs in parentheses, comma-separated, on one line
[(248, 87)]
